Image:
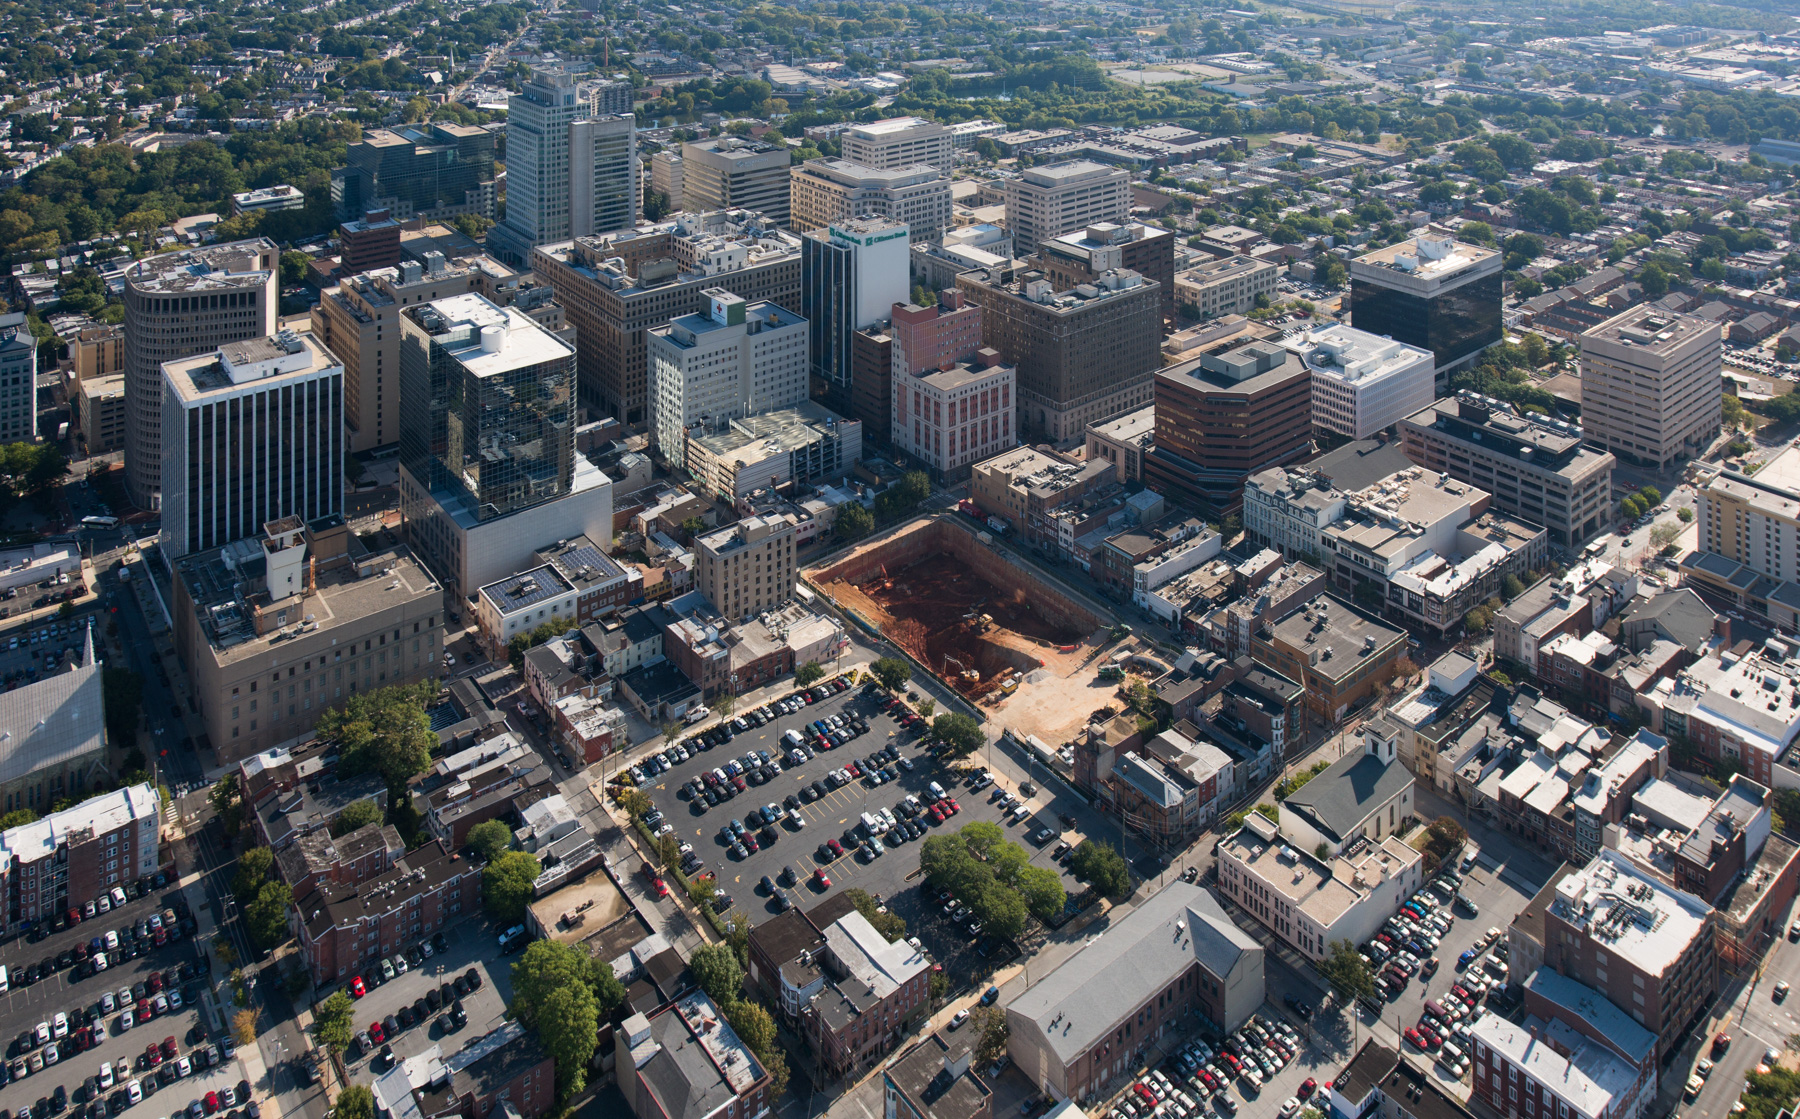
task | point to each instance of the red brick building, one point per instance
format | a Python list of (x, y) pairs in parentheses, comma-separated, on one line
[(72, 857), (346, 859), (507, 1066), (343, 928)]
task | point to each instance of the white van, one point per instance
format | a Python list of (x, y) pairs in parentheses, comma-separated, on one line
[(792, 738), (871, 826)]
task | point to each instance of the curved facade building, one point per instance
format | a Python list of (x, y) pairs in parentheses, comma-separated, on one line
[(178, 305)]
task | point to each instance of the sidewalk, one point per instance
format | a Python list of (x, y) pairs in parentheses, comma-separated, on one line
[(188, 877)]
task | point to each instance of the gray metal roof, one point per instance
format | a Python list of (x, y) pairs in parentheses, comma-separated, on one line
[(1084, 998), (1341, 798), (54, 721)]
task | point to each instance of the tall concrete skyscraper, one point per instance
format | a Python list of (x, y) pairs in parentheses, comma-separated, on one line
[(1651, 387), (566, 170), (177, 305), (851, 275), (255, 433)]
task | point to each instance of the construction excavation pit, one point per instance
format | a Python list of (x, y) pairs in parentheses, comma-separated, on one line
[(982, 624)]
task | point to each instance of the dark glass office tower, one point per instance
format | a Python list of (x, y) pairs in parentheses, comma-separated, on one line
[(1435, 293)]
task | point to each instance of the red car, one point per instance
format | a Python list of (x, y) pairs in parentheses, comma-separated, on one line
[(1417, 1038), (821, 880), (152, 1057), (749, 842), (661, 888), (1144, 1094), (1307, 1087), (852, 768), (169, 1050), (357, 990), (377, 1033), (155, 982), (837, 849), (954, 807), (212, 1102), (1721, 1043)]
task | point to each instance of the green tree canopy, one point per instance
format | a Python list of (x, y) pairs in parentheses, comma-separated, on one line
[(853, 522), (568, 1029), (267, 916), (333, 1022), (357, 814), (961, 733), (506, 886), (227, 803), (1100, 866), (253, 870), (354, 1102), (892, 672), (809, 674), (489, 838), (547, 966), (715, 967), (384, 731), (1347, 972)]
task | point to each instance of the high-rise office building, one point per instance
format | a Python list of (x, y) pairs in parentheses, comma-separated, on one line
[(177, 305), (1082, 256), (18, 384), (1083, 355), (851, 275), (253, 432), (732, 360), (433, 171), (888, 145), (1651, 386), (568, 173), (927, 337), (615, 288), (488, 466), (1433, 292), (1058, 198), (730, 173), (603, 170), (1222, 417), (1362, 384), (666, 179), (827, 192), (950, 417), (371, 241), (609, 97)]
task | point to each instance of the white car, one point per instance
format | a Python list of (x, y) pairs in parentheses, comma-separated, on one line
[(184, 1067), (134, 1092), (127, 1020), (43, 1033), (107, 1003), (52, 1054), (106, 1074), (174, 999), (59, 1025), (1290, 1106), (118, 897)]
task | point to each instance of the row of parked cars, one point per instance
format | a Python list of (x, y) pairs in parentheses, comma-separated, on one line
[(728, 729), (388, 969), (1249, 1056), (445, 996)]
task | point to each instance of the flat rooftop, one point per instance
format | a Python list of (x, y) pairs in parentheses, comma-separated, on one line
[(526, 589), (236, 264), (370, 583), (1336, 633), (1056, 174), (1429, 256), (892, 126), (1632, 913), (465, 327), (1295, 874), (1653, 329), (1346, 354)]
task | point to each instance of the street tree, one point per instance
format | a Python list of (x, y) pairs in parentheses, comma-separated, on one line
[(1100, 866), (332, 1024), (227, 803), (715, 967), (809, 674), (892, 672), (267, 916), (959, 732), (993, 1032), (1347, 972), (253, 870), (354, 1102)]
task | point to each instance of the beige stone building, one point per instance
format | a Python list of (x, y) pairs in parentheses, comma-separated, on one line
[(748, 567), (825, 192), (100, 413), (1651, 386), (328, 618), (899, 142), (1228, 286), (98, 351), (735, 174), (1057, 198)]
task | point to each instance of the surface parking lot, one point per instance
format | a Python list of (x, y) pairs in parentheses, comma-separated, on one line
[(31, 651), (470, 944), (836, 816), (24, 1006)]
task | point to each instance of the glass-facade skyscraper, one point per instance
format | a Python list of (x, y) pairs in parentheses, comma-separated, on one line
[(487, 412), (1433, 292)]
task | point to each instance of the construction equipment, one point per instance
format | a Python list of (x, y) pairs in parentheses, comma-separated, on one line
[(1111, 672)]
